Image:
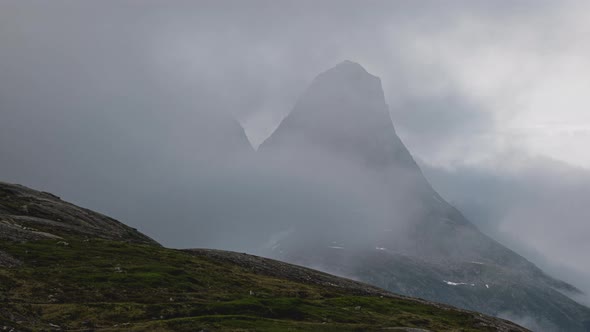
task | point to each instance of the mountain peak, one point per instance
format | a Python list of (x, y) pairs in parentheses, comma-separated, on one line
[(349, 63), (349, 66), (344, 112), (349, 72)]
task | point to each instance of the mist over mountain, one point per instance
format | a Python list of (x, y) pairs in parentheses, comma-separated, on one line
[(399, 233), (145, 157), (529, 204), (333, 186), (95, 93), (143, 112)]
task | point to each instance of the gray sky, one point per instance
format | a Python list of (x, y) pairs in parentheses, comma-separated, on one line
[(95, 89), (509, 74)]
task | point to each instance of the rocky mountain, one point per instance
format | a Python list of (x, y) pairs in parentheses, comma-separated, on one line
[(65, 268), (394, 230)]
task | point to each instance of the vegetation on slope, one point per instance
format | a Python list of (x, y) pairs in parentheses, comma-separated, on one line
[(64, 268), (81, 284)]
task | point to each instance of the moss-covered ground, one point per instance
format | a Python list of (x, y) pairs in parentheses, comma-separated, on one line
[(99, 285)]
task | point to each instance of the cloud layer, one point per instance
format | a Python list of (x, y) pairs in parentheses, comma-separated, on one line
[(109, 94)]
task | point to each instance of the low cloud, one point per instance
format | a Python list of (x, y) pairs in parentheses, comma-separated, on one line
[(529, 322), (536, 206), (115, 105)]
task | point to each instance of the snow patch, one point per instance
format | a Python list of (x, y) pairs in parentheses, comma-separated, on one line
[(276, 238), (450, 283)]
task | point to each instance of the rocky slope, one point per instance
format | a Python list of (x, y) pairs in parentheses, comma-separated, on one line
[(81, 271), (394, 230), (27, 214)]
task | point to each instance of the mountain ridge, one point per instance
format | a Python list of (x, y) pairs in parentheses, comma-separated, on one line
[(344, 135)]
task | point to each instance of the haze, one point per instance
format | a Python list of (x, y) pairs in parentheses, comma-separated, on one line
[(127, 108)]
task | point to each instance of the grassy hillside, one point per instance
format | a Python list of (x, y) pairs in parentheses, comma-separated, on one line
[(81, 284), (64, 268)]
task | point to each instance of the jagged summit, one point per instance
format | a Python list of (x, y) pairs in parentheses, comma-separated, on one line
[(344, 111), (349, 63), (348, 67), (347, 82)]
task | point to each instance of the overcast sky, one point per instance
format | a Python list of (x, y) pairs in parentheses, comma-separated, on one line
[(472, 85), (505, 74)]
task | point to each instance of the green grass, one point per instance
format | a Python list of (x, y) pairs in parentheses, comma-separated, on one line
[(113, 286)]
